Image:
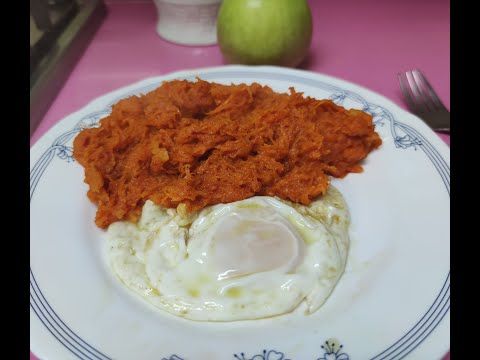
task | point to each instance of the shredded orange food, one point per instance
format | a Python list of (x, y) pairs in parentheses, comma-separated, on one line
[(200, 143)]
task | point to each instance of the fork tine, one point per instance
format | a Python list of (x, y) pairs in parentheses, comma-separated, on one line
[(418, 96), (405, 90), (423, 91), (422, 100), (423, 82)]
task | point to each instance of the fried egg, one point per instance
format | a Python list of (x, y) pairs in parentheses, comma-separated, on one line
[(250, 259)]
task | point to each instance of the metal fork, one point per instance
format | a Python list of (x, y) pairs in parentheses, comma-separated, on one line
[(423, 101)]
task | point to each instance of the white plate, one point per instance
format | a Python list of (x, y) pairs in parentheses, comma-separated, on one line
[(392, 301)]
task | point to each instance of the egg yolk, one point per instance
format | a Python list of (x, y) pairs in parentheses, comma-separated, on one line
[(243, 244)]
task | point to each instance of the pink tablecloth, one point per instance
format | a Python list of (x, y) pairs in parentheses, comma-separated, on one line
[(366, 42)]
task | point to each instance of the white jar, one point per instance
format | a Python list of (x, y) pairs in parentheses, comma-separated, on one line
[(188, 22)]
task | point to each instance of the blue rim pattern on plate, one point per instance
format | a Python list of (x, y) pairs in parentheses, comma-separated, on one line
[(404, 137)]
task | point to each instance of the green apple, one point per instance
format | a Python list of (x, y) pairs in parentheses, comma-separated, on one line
[(256, 32)]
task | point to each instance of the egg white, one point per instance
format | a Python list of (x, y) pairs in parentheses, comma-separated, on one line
[(168, 259)]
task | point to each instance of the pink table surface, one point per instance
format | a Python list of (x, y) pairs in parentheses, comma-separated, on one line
[(366, 42)]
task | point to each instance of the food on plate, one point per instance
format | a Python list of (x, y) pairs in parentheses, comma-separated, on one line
[(248, 259), (190, 145), (217, 198)]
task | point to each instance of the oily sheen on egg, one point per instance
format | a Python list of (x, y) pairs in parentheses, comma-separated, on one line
[(249, 259)]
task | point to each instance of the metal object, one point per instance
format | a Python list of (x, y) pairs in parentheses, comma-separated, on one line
[(59, 33), (423, 101)]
